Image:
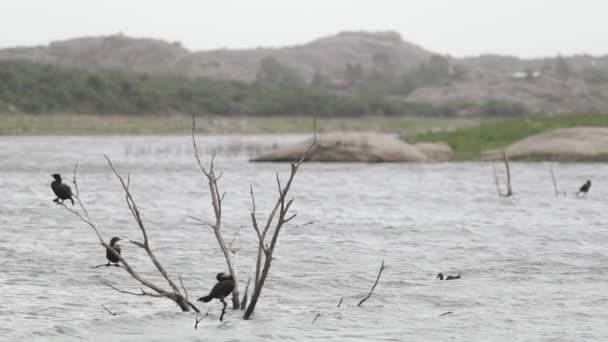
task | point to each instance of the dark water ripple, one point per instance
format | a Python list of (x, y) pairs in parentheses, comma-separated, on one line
[(534, 266)]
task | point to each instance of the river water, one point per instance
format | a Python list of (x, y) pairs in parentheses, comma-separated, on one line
[(533, 266)]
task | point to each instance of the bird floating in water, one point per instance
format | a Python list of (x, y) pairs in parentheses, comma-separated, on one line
[(221, 290), (61, 190), (110, 255), (450, 277), (584, 189)]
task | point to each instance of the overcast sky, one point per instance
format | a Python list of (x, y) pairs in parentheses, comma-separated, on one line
[(527, 28)]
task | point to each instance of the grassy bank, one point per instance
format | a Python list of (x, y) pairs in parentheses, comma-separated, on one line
[(468, 142), (81, 124)]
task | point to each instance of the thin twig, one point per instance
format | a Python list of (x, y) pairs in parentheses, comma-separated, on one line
[(183, 287), (446, 313), (316, 317), (106, 265), (373, 287), (340, 302), (142, 293), (108, 310), (199, 320)]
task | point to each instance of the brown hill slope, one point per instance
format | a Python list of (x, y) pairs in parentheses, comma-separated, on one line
[(329, 55)]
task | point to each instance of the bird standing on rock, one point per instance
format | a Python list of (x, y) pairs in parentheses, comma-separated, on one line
[(110, 255), (61, 190), (584, 189), (221, 290), (450, 277)]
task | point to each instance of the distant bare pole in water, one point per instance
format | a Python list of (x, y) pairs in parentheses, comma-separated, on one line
[(508, 172), (555, 188), (374, 286), (175, 295), (265, 248), (216, 201)]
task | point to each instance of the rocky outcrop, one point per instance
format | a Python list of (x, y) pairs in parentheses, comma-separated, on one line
[(359, 147), (564, 144)]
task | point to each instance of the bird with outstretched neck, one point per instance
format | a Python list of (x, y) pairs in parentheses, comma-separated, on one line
[(61, 190), (110, 254), (584, 189), (450, 277)]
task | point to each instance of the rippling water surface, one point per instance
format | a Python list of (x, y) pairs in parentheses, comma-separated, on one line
[(534, 267)]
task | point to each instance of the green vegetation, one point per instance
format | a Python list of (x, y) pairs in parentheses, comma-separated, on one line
[(59, 124), (34, 88), (469, 142)]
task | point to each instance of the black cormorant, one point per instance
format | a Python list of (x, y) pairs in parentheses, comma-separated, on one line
[(585, 188), (450, 277), (113, 258), (224, 286), (62, 191)]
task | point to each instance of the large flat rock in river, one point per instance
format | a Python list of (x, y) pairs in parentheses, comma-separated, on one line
[(358, 147), (565, 144)]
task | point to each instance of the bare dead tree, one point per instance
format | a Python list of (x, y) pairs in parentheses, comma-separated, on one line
[(281, 207), (508, 172), (374, 286), (175, 295), (216, 202)]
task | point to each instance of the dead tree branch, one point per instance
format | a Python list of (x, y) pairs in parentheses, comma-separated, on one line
[(316, 317), (216, 202), (340, 302), (108, 310), (508, 172), (281, 207), (555, 188), (373, 287), (176, 296), (198, 320)]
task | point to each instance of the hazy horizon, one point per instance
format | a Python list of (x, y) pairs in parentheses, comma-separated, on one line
[(467, 28)]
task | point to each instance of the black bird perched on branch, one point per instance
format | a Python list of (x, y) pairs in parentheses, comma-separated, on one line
[(585, 188), (62, 191), (221, 290), (110, 255), (450, 277)]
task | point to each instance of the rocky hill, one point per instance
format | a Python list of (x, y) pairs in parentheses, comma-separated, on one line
[(328, 55), (371, 62)]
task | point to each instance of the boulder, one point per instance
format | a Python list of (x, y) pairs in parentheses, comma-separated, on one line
[(357, 147), (564, 144)]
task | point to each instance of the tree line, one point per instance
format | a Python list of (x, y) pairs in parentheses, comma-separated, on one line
[(38, 88)]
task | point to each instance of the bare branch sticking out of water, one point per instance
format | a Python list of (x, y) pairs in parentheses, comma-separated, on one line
[(142, 293), (373, 287), (508, 172), (340, 302), (276, 219), (108, 310), (316, 317), (175, 295), (216, 202), (106, 265), (446, 313), (224, 305), (198, 320)]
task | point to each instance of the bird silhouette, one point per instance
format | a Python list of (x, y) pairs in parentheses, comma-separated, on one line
[(224, 286), (584, 189), (450, 277), (61, 190), (110, 255)]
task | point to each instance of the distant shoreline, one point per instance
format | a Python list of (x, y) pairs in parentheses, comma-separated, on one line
[(17, 124)]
